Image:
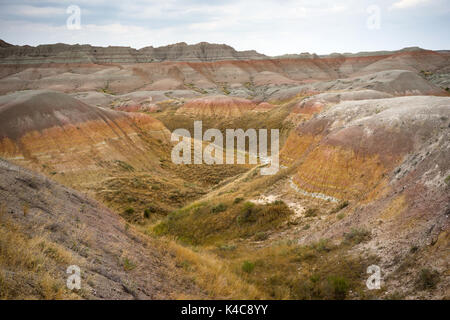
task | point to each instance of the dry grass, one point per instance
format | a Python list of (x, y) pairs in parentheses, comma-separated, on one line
[(213, 274), (281, 270), (121, 185), (287, 270), (321, 270), (28, 265), (202, 223)]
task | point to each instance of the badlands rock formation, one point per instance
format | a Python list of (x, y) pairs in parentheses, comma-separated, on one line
[(349, 149), (309, 106), (365, 149), (390, 158), (63, 53), (50, 127), (244, 78)]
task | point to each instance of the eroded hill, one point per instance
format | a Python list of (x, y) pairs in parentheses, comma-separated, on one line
[(122, 159), (46, 227), (364, 176)]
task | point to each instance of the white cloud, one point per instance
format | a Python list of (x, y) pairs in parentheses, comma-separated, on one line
[(32, 11), (271, 27), (402, 4)]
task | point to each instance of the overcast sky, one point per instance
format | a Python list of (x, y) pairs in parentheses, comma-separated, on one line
[(272, 27)]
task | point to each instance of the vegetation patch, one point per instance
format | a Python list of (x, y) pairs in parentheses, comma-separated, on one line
[(356, 236), (248, 266), (290, 271), (128, 265), (30, 267), (221, 207), (427, 279), (261, 236), (124, 166), (447, 180), (311, 212), (339, 286), (340, 206), (195, 224)]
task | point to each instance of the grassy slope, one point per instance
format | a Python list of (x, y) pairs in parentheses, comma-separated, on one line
[(233, 232), (28, 264)]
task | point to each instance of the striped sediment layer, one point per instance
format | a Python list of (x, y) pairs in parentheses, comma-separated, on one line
[(222, 106), (63, 53), (351, 150), (58, 130), (280, 78)]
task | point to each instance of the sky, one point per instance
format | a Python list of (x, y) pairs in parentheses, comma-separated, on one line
[(272, 27)]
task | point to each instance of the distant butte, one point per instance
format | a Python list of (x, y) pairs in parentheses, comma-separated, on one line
[(200, 52)]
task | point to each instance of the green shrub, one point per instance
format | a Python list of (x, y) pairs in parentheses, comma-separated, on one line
[(323, 245), (340, 216), (246, 213), (413, 249), (186, 265), (221, 207), (129, 211), (237, 200), (314, 278), (161, 228), (128, 265), (447, 180), (248, 206), (261, 236), (428, 279), (356, 236), (340, 206), (339, 286), (248, 266), (311, 212)]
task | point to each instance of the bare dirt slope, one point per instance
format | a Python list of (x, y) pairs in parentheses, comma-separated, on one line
[(116, 262)]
